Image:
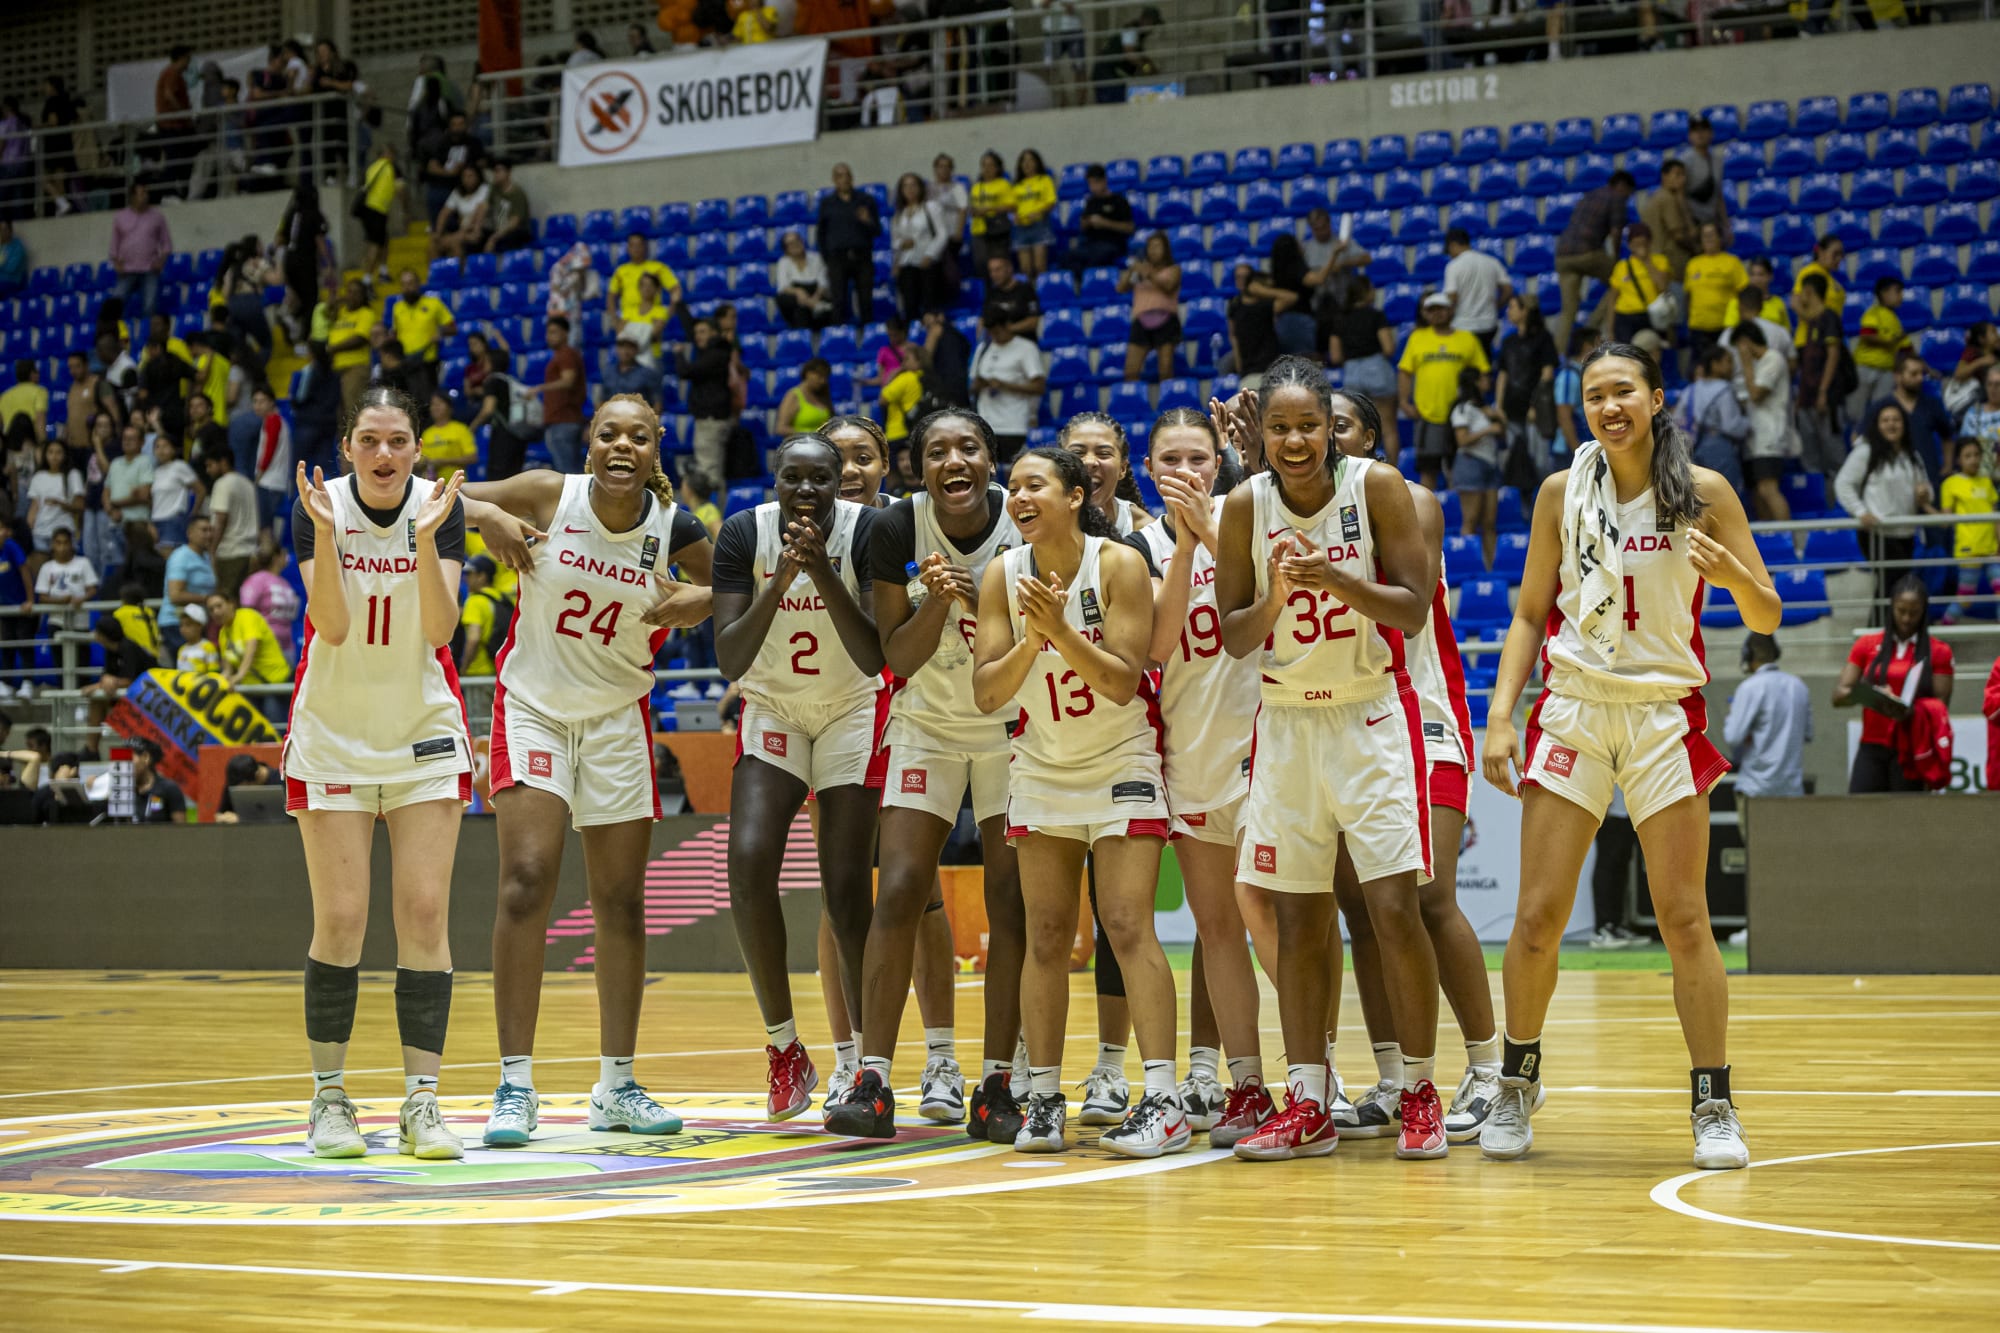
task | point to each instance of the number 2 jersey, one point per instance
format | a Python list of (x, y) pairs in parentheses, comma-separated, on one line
[(802, 662), (383, 706), (577, 648)]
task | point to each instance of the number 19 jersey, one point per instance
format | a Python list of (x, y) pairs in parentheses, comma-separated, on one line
[(578, 648)]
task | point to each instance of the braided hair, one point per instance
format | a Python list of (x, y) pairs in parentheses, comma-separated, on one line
[(1298, 372), (1674, 496), (1877, 673), (658, 483), (1071, 477)]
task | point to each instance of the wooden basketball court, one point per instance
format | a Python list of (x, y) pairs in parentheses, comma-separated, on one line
[(151, 1175)]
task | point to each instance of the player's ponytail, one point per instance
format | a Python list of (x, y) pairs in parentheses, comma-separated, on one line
[(1675, 499), (1070, 475)]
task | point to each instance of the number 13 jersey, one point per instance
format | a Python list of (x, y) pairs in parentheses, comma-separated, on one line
[(578, 648)]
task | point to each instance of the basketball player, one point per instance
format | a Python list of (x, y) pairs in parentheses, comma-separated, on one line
[(572, 738), (378, 730), (789, 626), (1064, 624), (1208, 703), (864, 455), (1622, 545), (1321, 573), (928, 553)]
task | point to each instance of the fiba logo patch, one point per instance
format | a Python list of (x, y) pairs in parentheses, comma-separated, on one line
[(541, 764), (412, 533), (649, 552), (774, 743), (916, 781), (1265, 858), (1350, 523), (1561, 761), (1091, 614)]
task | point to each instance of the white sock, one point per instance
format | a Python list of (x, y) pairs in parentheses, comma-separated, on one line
[(1045, 1082), (416, 1083), (783, 1035), (518, 1071), (1484, 1055), (329, 1080), (614, 1071), (1389, 1062), (1419, 1071), (941, 1041), (988, 1068), (1204, 1060), (1160, 1079), (1246, 1069), (878, 1063), (1111, 1057), (846, 1053), (1308, 1082)]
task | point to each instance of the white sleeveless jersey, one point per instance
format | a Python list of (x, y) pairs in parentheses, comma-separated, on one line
[(384, 705), (1208, 699), (802, 660), (1070, 738), (1660, 654), (1127, 517), (1439, 679), (577, 648), (936, 703), (1320, 650)]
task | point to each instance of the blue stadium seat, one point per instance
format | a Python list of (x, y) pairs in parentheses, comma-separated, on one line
[(1250, 164), (1483, 607), (472, 303), (1916, 108), (710, 248), (480, 270), (1122, 174), (751, 247), (1196, 280), (1399, 302), (1449, 184), (1556, 210), (1855, 228), (1793, 155), (1544, 176), (1464, 558), (1534, 257), (1468, 217), (1743, 160), (1509, 515), (1173, 208), (1181, 391), (1229, 240), (1965, 304), (1510, 556), (1513, 217), (1573, 135), (708, 283), (1430, 148), (1668, 129), (1110, 324), (1068, 367), (1205, 169), (750, 210), (1402, 187), (1305, 194), (1814, 115), (1916, 308), (754, 317), (1131, 402), (1844, 151), (1644, 164), (677, 219), (1205, 317), (1496, 181), (1872, 265), (1821, 192), (1765, 198), (1724, 122), (1900, 226), (1060, 328), (1590, 171), (1373, 227), (792, 208), (1976, 182), (1935, 265), (709, 215), (1955, 224), (1385, 266), (1072, 184), (1832, 548), (1417, 226), (1947, 144), (600, 226), (1427, 265), (1968, 102), (1294, 160), (179, 268), (1720, 611), (1187, 242), (1386, 151), (1982, 263), (1867, 111), (515, 266), (1479, 143), (1619, 131), (1216, 203), (1341, 156), (1526, 139), (1925, 184), (1055, 291), (1798, 590), (1791, 236), (1872, 188), (1262, 199), (1766, 120), (516, 298), (1777, 549), (1099, 286), (1894, 148), (445, 274)]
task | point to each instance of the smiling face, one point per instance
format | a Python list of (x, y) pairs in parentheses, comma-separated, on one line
[(1618, 403), (624, 448), (1038, 502), (1187, 452), (1889, 424), (1295, 434), (956, 465), (863, 464), (382, 448), (1348, 432), (807, 481), (1103, 456)]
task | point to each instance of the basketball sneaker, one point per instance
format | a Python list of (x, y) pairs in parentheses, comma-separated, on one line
[(1249, 1106), (517, 1112), (1107, 1097), (1302, 1129), (629, 1107), (332, 1128), (1204, 1097), (424, 1135), (1042, 1128), (792, 1080), (1156, 1127), (1423, 1123), (838, 1085), (1374, 1115), (1718, 1138), (943, 1091), (1507, 1134), (868, 1111), (995, 1116), (1473, 1103)]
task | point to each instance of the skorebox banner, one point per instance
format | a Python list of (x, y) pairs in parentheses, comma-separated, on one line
[(736, 97)]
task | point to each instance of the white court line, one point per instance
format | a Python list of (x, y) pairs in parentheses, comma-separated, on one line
[(1668, 1195), (1158, 1316)]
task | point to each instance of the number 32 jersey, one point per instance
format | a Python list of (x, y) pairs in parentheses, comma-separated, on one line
[(578, 648)]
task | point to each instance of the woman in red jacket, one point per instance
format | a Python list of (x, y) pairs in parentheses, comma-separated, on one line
[(1887, 659)]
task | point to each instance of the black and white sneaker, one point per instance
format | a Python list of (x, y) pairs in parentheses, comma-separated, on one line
[(867, 1112), (1042, 1130), (1204, 1097), (943, 1091), (1107, 1097), (1157, 1126), (1374, 1115)]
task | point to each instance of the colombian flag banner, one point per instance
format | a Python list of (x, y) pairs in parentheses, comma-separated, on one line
[(182, 711)]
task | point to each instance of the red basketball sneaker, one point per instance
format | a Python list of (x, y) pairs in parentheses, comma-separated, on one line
[(1302, 1129), (792, 1079), (1423, 1123), (1248, 1109)]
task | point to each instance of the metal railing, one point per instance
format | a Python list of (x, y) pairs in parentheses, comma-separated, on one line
[(982, 64)]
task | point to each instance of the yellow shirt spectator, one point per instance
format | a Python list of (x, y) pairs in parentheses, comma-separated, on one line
[(449, 448), (759, 23), (625, 286), (379, 185), (899, 398), (141, 626), (1773, 310), (29, 400), (1881, 335), (1712, 283), (211, 372), (419, 323), (477, 616), (1961, 494), (1433, 360), (351, 324), (994, 196), (504, 578), (1034, 199), (1836, 295), (1638, 281), (248, 632)]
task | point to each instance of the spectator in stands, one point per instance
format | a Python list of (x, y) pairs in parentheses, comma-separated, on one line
[(1478, 286), (166, 375), (508, 223), (333, 73), (244, 770), (1713, 417), (349, 342), (128, 501), (917, 239), (269, 594), (562, 395), (1667, 212), (1253, 324), (14, 585), (500, 396), (135, 616), (1478, 431), (624, 301), (948, 357), (1011, 297), (378, 193), (697, 495), (1362, 343), (992, 213), (1329, 259), (1931, 430), (13, 262), (1008, 377), (1525, 387), (302, 235), (1034, 198), (705, 367), (1585, 248), (1826, 378), (1767, 385), (26, 397), (421, 322), (628, 374), (1768, 727), (1883, 480), (1639, 279), (1427, 382), (156, 798), (1297, 333), (799, 279), (1154, 280), (124, 662), (1829, 253), (807, 405), (459, 226), (1707, 201), (55, 499), (1104, 225), (445, 154), (1980, 353), (1901, 664), (140, 244), (251, 653), (62, 799), (901, 380), (447, 445), (273, 470), (486, 610), (196, 637), (174, 495), (1882, 337), (1758, 300), (847, 228), (65, 578), (1972, 489), (232, 502), (393, 370), (1982, 422), (1714, 278), (172, 118), (316, 412)]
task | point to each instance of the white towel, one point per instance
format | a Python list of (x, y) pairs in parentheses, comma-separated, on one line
[(1591, 560)]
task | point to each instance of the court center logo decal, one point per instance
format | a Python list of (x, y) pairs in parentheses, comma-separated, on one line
[(247, 1165)]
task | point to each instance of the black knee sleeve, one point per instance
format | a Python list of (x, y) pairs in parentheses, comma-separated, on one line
[(423, 1008), (330, 995), (935, 905), (1110, 978)]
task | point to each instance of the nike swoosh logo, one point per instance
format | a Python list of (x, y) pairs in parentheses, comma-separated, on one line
[(1384, 718), (354, 532), (566, 528), (1276, 533)]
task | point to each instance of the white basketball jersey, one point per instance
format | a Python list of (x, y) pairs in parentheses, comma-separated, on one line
[(1321, 650), (1127, 516), (382, 706), (802, 660), (937, 700), (1660, 653), (1439, 680), (1208, 699), (578, 648), (1065, 725)]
